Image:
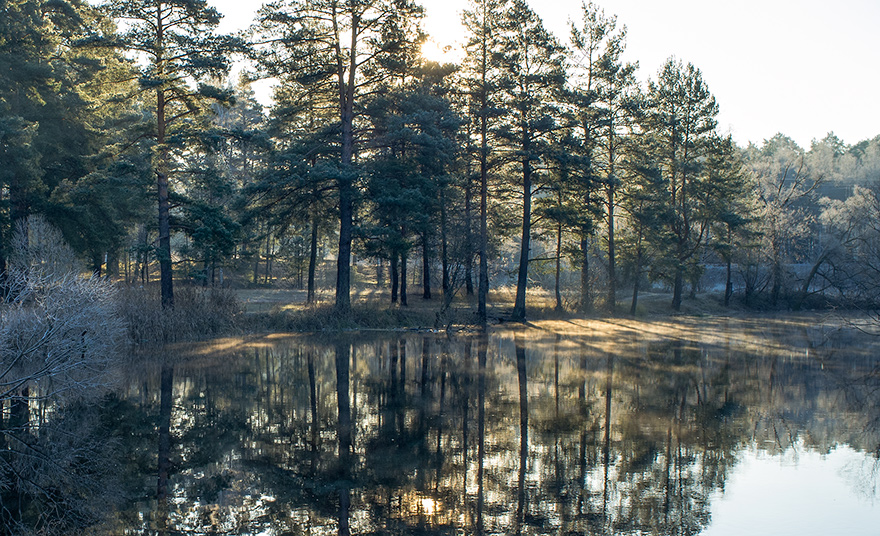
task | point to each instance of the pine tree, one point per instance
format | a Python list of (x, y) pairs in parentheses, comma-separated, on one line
[(58, 118), (340, 49), (680, 121), (731, 186), (480, 79), (532, 78), (182, 56), (28, 79), (414, 129), (101, 186), (608, 100)]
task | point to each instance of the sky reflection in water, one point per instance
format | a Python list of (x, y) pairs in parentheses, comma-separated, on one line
[(800, 491)]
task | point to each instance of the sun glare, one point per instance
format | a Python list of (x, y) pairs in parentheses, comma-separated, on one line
[(434, 51)]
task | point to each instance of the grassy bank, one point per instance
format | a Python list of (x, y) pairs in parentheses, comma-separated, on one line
[(267, 310), (201, 313)]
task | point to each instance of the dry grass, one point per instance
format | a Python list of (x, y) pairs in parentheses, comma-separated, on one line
[(269, 310), (199, 313)]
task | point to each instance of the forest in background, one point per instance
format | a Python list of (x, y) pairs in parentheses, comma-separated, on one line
[(537, 161)]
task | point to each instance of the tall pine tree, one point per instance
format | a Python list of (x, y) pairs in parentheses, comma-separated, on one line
[(607, 94), (341, 49), (181, 56), (532, 77), (680, 122)]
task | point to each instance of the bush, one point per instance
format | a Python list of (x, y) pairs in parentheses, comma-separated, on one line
[(61, 331), (58, 331), (60, 334), (198, 313)]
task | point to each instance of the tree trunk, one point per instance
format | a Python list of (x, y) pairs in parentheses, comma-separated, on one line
[(403, 262), (343, 262), (426, 269), (586, 304), (164, 251), (313, 261), (728, 286), (346, 179), (256, 274), (395, 281), (97, 265), (677, 285), (612, 252), (776, 268), (638, 277), (444, 245), (267, 272), (469, 239), (558, 266), (483, 292), (380, 272), (805, 288), (519, 306), (112, 260), (776, 289)]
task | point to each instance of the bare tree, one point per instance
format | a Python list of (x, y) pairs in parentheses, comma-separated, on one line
[(784, 182)]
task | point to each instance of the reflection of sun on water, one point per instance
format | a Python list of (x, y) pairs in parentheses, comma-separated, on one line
[(422, 506), (429, 506)]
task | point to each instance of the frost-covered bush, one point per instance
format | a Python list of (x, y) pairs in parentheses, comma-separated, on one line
[(60, 334), (59, 331)]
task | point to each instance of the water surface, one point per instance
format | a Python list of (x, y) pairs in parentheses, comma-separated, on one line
[(706, 426)]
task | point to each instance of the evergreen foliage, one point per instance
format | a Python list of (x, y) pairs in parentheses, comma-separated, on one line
[(524, 156)]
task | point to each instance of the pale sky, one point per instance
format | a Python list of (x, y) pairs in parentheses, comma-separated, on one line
[(800, 67)]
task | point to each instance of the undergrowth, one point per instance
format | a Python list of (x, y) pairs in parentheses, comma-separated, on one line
[(198, 314)]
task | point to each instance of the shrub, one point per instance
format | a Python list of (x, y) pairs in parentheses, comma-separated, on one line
[(59, 335), (198, 313)]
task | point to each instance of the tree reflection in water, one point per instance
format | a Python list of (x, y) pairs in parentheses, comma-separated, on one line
[(545, 432)]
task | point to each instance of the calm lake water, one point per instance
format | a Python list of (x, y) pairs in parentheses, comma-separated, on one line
[(705, 426)]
